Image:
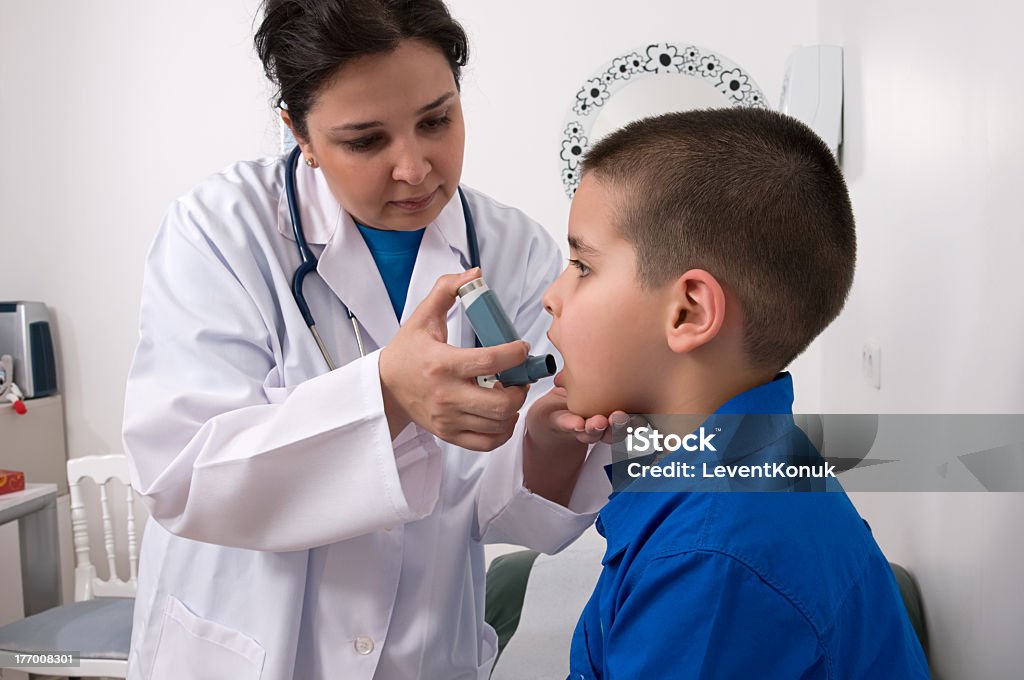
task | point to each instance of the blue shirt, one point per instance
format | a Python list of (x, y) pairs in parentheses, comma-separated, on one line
[(395, 255), (744, 585)]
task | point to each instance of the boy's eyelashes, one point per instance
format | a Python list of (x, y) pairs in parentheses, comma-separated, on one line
[(582, 268)]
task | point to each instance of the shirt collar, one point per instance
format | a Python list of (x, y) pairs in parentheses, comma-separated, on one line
[(775, 396), (617, 520)]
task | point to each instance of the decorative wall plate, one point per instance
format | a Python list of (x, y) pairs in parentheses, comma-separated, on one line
[(736, 85)]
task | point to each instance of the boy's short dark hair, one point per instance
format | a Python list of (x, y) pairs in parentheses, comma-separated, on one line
[(752, 196)]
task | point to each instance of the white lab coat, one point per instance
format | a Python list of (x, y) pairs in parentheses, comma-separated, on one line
[(290, 538)]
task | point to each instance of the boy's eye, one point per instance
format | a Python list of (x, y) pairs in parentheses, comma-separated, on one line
[(583, 269)]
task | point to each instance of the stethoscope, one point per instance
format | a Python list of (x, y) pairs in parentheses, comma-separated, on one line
[(309, 260)]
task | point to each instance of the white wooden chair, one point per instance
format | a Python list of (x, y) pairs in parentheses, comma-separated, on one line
[(98, 623)]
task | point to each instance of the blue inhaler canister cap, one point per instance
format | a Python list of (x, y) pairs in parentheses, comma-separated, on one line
[(492, 325)]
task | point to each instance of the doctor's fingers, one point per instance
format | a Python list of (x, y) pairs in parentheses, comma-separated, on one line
[(467, 422), (470, 407), (476, 441), (498, 403), (471, 362)]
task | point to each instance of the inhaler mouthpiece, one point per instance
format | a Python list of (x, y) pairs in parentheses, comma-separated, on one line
[(492, 325)]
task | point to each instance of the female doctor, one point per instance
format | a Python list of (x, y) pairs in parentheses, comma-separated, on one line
[(312, 523)]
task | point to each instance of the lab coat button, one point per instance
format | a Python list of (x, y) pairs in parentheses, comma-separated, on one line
[(364, 644)]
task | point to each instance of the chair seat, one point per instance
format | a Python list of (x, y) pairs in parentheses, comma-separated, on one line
[(98, 629)]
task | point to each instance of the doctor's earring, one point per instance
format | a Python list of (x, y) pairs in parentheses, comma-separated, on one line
[(310, 161)]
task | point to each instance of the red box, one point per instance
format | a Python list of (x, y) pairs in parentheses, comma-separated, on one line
[(11, 480)]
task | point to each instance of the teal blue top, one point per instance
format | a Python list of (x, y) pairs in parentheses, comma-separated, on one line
[(394, 252)]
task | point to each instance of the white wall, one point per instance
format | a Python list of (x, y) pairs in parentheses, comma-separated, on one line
[(108, 110), (933, 155), (529, 59)]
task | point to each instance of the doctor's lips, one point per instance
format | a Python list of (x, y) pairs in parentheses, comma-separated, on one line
[(416, 203)]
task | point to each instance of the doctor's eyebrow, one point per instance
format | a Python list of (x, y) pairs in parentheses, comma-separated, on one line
[(376, 123), (434, 104), (581, 247)]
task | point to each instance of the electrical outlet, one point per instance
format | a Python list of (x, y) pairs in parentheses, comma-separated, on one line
[(871, 363)]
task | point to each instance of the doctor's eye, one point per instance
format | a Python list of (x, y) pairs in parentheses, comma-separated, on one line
[(583, 269), (363, 143), (437, 123)]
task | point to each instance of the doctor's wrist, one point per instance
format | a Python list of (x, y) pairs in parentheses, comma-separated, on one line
[(397, 417)]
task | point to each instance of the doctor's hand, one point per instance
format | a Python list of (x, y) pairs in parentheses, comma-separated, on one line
[(427, 381)]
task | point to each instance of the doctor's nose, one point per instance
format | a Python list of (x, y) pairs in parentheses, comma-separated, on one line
[(411, 166)]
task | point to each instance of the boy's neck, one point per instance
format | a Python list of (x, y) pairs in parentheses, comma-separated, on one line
[(702, 387)]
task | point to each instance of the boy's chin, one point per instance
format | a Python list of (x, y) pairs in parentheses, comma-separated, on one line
[(588, 406)]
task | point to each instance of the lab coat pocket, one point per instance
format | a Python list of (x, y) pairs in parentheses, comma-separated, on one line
[(488, 652), (198, 649)]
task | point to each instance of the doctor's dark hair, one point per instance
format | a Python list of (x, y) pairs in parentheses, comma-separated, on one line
[(303, 43), (751, 196)]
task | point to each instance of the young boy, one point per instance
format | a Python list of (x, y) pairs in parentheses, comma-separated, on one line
[(709, 248)]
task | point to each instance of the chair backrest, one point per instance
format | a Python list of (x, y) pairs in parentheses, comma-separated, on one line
[(101, 469)]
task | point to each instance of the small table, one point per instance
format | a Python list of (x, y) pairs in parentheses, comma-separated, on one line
[(35, 508)]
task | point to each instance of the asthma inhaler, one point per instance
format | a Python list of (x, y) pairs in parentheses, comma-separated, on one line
[(493, 327)]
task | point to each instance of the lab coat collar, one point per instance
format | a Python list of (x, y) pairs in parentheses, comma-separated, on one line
[(348, 268), (318, 209), (451, 224)]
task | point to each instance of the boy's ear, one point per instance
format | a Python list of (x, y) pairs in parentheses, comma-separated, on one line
[(697, 311)]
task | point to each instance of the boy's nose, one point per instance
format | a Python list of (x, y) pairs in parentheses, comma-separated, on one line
[(550, 299)]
